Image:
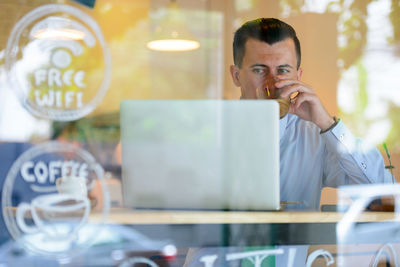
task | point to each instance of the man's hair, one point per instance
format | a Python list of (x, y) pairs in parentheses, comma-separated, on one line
[(268, 30)]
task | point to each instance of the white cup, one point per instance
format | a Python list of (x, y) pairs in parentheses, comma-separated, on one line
[(72, 185), (58, 216)]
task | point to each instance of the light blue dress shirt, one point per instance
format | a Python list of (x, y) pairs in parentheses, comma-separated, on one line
[(310, 161)]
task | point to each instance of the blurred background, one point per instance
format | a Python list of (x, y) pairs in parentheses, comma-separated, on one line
[(351, 56)]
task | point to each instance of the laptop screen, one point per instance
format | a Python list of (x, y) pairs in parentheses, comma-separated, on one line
[(200, 154)]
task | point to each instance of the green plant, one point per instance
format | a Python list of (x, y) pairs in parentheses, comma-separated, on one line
[(390, 166)]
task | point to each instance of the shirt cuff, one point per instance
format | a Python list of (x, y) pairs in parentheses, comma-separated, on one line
[(332, 126), (340, 140)]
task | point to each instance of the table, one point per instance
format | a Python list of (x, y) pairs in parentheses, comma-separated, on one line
[(130, 216)]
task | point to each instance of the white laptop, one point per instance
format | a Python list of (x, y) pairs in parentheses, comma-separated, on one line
[(200, 154)]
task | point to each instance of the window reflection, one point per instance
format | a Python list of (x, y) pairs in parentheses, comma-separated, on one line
[(353, 59)]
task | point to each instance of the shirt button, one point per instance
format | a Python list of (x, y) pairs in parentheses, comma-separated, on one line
[(341, 137), (363, 165)]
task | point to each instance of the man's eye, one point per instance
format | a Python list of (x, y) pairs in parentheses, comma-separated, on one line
[(283, 71), (258, 71)]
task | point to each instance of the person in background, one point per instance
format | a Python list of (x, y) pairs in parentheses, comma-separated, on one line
[(316, 148)]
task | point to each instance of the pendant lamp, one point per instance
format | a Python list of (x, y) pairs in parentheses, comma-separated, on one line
[(172, 34)]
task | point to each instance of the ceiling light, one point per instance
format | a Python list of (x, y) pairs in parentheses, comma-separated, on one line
[(172, 34)]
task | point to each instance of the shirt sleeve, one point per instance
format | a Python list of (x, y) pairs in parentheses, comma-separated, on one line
[(349, 160)]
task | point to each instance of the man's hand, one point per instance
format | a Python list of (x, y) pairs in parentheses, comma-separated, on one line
[(306, 103)]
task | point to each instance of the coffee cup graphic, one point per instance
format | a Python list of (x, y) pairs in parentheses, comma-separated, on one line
[(56, 216), (65, 185)]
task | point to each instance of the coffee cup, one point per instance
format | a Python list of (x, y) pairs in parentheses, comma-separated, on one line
[(57, 216), (284, 104)]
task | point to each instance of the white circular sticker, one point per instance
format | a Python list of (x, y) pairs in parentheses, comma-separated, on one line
[(54, 199), (58, 63)]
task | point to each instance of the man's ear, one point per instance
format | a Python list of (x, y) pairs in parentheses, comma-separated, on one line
[(235, 75), (299, 73)]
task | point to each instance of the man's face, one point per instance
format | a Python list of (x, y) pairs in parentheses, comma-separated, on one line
[(263, 65)]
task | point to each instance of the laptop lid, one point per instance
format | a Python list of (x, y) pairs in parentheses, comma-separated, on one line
[(200, 154)]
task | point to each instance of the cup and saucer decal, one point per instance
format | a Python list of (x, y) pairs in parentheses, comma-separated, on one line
[(48, 198)]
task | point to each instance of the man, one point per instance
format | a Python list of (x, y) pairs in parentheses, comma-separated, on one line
[(316, 149)]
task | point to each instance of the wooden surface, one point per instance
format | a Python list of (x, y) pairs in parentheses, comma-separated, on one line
[(127, 216), (130, 216)]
